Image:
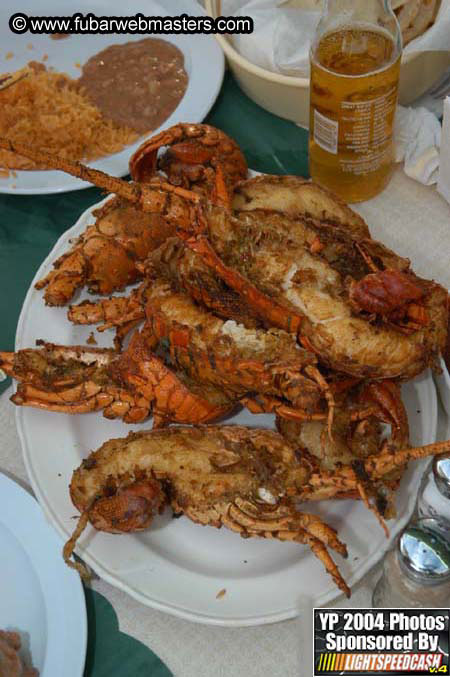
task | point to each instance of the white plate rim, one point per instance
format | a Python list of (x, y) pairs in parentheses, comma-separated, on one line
[(105, 573), (70, 183), (442, 382), (29, 516)]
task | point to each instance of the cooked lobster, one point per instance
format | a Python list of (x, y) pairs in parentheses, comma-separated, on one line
[(360, 410), (247, 480), (130, 386), (186, 272), (304, 281), (106, 255), (266, 370)]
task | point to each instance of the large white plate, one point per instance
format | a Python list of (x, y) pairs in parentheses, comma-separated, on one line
[(442, 381), (41, 598), (177, 566), (204, 64)]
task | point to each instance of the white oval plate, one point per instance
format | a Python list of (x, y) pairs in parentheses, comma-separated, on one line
[(443, 385), (41, 598), (204, 64), (177, 566)]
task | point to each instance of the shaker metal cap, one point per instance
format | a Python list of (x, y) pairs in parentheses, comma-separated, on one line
[(441, 473), (424, 549)]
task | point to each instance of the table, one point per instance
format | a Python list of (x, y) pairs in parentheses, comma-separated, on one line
[(410, 218)]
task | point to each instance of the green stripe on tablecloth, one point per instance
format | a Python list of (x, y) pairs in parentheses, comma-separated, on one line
[(111, 653), (270, 144)]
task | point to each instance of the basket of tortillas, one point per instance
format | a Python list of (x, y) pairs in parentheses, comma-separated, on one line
[(415, 17), (271, 64)]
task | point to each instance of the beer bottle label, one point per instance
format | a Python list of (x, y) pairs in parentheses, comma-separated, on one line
[(326, 132)]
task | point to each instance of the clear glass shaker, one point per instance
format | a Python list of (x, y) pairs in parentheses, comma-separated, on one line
[(416, 571), (434, 496)]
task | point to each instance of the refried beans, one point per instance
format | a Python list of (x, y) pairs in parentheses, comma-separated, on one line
[(137, 84)]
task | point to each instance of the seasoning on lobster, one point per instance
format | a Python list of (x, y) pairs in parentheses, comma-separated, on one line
[(248, 480), (297, 280)]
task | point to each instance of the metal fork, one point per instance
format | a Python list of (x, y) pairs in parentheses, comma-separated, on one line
[(442, 87)]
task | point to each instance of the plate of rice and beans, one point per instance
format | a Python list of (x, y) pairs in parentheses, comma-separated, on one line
[(95, 98)]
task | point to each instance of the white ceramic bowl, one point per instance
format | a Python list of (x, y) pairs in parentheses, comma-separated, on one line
[(288, 96)]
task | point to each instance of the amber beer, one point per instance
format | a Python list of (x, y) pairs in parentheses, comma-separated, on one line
[(354, 83)]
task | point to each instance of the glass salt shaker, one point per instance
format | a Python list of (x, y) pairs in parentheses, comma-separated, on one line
[(434, 496), (416, 571)]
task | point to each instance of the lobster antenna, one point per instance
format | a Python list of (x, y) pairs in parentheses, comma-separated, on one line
[(69, 547), (378, 465), (111, 184)]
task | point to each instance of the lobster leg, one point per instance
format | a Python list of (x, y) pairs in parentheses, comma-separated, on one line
[(365, 499), (323, 485), (385, 403), (283, 523), (317, 376), (80, 171), (112, 312), (259, 404), (388, 460)]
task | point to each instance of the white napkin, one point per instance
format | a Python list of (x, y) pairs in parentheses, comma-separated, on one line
[(283, 30), (281, 37), (417, 138), (444, 165)]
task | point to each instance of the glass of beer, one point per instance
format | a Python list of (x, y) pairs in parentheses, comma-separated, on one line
[(355, 67)]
